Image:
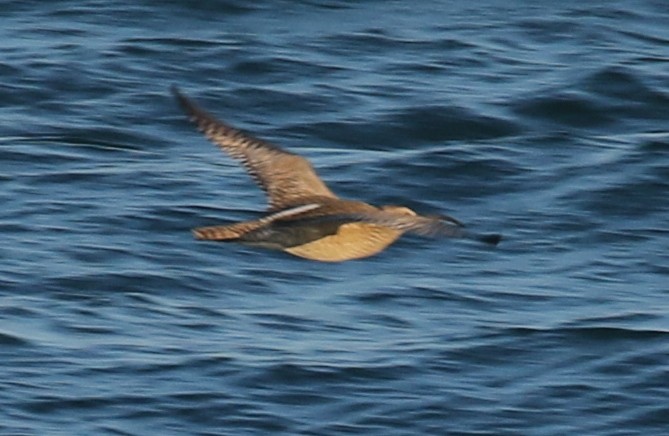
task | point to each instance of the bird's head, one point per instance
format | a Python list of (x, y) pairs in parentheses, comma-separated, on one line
[(399, 210)]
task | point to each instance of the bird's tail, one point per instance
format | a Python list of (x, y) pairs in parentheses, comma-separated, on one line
[(230, 232)]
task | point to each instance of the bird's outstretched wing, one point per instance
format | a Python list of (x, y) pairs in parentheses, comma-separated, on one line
[(287, 178)]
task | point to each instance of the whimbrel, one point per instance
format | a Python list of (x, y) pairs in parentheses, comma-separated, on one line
[(304, 217)]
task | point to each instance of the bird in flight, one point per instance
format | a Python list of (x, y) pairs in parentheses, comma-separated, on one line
[(304, 218)]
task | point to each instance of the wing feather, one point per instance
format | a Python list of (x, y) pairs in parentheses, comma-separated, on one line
[(285, 177)]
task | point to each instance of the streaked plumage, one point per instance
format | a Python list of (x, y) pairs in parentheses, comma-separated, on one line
[(304, 217)]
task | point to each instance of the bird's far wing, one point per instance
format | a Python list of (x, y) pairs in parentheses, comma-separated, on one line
[(285, 177)]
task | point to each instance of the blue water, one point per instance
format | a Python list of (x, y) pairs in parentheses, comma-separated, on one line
[(547, 122)]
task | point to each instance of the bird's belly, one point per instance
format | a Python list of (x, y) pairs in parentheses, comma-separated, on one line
[(351, 241)]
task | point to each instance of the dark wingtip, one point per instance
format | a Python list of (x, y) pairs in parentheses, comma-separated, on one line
[(175, 90), (181, 98), (194, 112)]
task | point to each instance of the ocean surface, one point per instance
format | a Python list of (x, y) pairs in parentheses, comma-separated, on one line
[(545, 121)]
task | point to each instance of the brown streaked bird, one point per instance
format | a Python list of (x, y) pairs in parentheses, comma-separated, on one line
[(304, 217)]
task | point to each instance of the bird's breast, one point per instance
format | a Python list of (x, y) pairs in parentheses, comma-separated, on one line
[(351, 241)]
